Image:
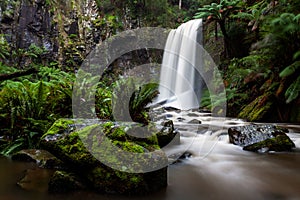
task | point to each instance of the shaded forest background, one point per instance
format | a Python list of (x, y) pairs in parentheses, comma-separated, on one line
[(256, 45)]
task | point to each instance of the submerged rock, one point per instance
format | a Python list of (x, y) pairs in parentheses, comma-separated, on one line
[(62, 182), (42, 158), (110, 157), (35, 180), (261, 138)]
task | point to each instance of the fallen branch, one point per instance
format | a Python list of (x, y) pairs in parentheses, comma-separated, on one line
[(4, 77)]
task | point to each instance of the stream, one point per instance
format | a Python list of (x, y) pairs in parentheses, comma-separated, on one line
[(210, 167)]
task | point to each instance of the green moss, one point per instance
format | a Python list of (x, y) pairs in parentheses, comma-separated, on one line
[(60, 126), (279, 143), (117, 133), (107, 126), (85, 150), (258, 109), (129, 146), (111, 181), (69, 147), (62, 181)]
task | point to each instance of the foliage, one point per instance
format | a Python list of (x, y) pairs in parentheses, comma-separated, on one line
[(221, 13), (293, 91), (130, 98), (272, 67), (104, 102), (140, 99), (4, 48), (138, 13), (28, 107)]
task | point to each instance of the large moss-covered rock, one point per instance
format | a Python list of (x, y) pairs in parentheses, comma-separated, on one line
[(261, 138), (110, 157)]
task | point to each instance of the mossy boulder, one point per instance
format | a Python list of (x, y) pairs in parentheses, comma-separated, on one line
[(64, 142), (261, 138), (110, 157)]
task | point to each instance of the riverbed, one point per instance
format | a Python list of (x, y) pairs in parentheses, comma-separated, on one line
[(210, 168)]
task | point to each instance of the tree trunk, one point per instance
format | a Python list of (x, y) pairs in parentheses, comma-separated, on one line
[(226, 39)]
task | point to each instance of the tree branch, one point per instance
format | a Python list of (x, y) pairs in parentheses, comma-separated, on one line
[(4, 77)]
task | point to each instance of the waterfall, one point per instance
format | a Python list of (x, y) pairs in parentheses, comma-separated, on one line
[(180, 80)]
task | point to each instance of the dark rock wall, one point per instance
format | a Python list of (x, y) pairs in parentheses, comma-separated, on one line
[(34, 26), (66, 31), (59, 28)]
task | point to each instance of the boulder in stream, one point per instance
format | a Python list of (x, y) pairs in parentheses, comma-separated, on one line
[(41, 157), (110, 157), (261, 138)]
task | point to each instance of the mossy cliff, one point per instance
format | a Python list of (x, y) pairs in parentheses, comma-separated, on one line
[(110, 157), (63, 30)]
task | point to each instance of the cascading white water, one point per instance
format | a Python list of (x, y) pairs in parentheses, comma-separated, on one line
[(180, 80)]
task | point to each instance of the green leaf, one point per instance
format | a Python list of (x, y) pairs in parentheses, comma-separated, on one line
[(296, 55), (13, 147), (293, 91), (297, 18), (291, 69)]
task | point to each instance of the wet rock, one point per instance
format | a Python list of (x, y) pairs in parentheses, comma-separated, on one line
[(62, 182), (171, 109), (167, 134), (107, 158), (180, 119), (194, 121), (261, 138), (186, 155), (127, 183), (41, 157), (193, 115), (35, 180), (179, 157)]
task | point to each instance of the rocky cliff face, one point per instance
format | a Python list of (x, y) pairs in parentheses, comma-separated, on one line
[(57, 32), (61, 29)]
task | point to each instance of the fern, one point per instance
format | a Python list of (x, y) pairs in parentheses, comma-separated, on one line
[(140, 99), (13, 147), (293, 91), (291, 69), (296, 55)]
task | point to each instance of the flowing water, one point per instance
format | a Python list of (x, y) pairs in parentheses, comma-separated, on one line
[(180, 79), (212, 169)]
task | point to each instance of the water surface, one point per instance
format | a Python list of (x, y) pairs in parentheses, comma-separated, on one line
[(215, 169)]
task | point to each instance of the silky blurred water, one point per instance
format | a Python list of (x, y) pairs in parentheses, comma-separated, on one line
[(215, 169)]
